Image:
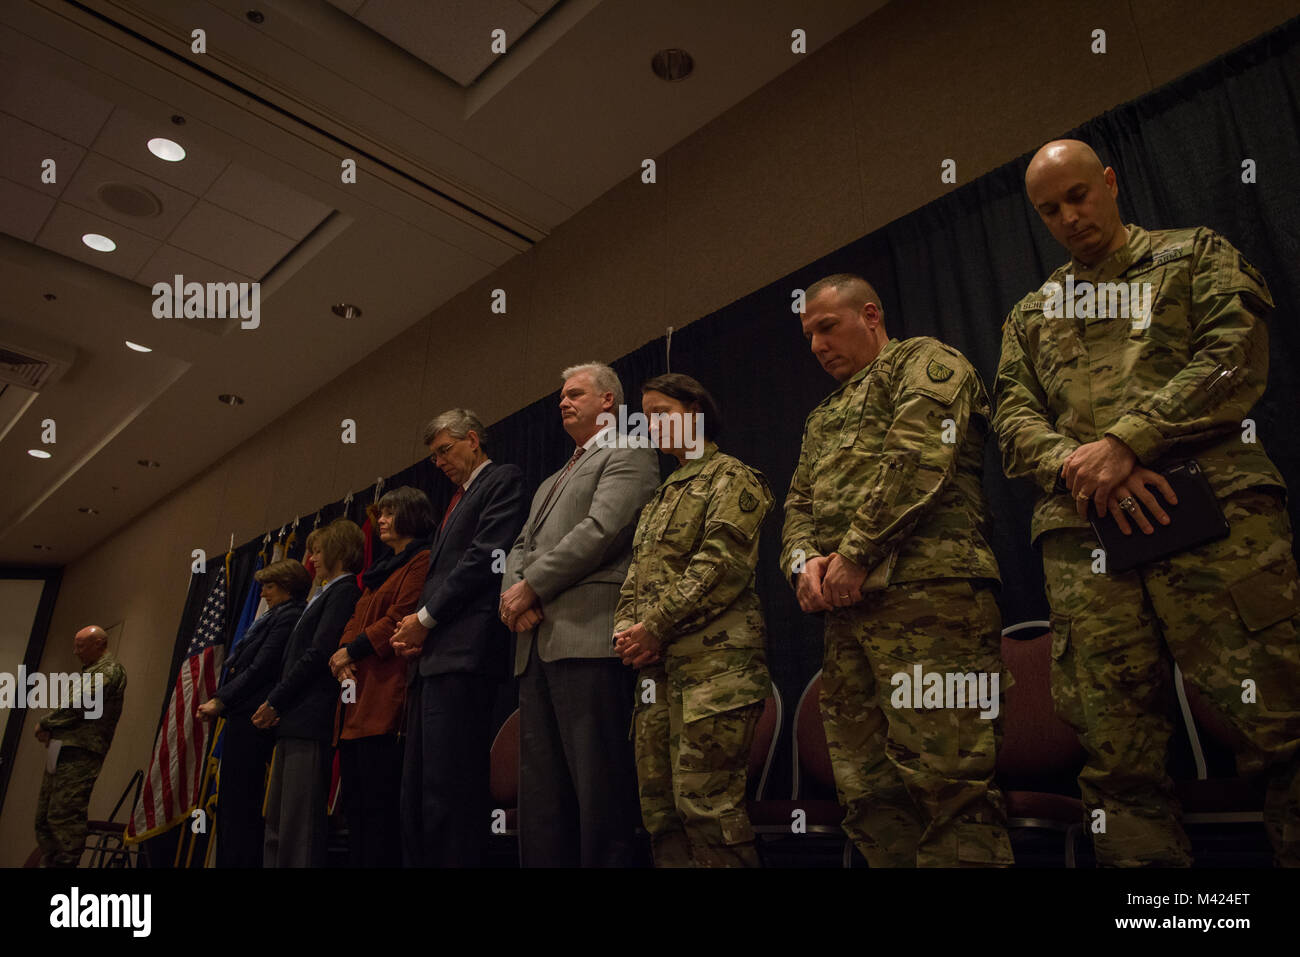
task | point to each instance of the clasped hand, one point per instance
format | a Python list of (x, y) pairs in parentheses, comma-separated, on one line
[(637, 647), (1106, 474), (342, 666), (829, 581)]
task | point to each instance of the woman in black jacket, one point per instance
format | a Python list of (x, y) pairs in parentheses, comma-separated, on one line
[(251, 672), (301, 707)]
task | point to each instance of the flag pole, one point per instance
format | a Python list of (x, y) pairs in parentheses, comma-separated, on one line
[(209, 763), (203, 790)]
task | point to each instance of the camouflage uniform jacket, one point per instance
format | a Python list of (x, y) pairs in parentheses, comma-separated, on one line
[(71, 726), (691, 580), (1171, 384), (889, 473)]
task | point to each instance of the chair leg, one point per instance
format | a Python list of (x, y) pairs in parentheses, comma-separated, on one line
[(1071, 836)]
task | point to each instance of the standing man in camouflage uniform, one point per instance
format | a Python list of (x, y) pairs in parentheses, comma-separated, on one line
[(689, 618), (61, 809), (883, 532), (1090, 408)]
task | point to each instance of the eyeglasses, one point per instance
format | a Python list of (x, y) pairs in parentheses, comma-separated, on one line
[(441, 451)]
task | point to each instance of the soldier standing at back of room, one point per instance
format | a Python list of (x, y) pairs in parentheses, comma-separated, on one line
[(61, 823), (689, 618), (1090, 408), (884, 532)]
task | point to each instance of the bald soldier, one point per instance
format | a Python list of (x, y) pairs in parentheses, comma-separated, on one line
[(83, 730), (1093, 401), (884, 533)]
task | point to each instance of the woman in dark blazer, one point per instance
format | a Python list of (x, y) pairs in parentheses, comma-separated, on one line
[(370, 750), (301, 706), (250, 672)]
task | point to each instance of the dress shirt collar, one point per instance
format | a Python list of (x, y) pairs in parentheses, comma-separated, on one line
[(595, 439), (474, 474)]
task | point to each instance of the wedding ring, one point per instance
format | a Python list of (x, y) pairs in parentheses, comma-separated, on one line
[(1127, 504), (1084, 496)]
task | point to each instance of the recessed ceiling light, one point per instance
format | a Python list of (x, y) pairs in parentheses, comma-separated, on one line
[(672, 64), (345, 310), (166, 149), (87, 510), (146, 463), (229, 398), (136, 346), (38, 453), (99, 243)]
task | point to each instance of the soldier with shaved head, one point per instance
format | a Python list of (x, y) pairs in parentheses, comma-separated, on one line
[(83, 737), (1148, 349)]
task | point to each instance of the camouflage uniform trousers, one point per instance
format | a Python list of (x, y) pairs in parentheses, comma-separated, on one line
[(1227, 612), (692, 762), (916, 783), (61, 809)]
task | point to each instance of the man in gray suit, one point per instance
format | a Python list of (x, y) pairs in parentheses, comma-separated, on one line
[(577, 780)]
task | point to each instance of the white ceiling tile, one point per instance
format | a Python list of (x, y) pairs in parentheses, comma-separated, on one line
[(26, 148), (263, 200), (22, 210), (452, 36), (231, 241), (125, 138), (168, 262), (51, 102), (97, 171), (67, 224)]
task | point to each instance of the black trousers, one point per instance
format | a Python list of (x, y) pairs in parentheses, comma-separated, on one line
[(245, 753), (445, 815), (577, 779), (371, 772)]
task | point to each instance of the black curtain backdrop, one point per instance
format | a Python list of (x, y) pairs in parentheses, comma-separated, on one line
[(953, 269)]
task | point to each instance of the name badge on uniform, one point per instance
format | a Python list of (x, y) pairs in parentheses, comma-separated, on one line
[(1169, 255)]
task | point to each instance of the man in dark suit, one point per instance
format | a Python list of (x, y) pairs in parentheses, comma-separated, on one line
[(577, 780), (463, 651)]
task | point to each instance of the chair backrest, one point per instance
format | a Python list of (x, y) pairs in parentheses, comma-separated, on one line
[(504, 773), (763, 749), (1036, 744), (1213, 740), (811, 754), (1209, 720)]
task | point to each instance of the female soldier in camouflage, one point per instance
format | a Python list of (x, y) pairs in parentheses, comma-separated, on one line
[(690, 620)]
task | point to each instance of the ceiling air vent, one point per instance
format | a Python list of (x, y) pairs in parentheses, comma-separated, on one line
[(29, 372), (30, 362)]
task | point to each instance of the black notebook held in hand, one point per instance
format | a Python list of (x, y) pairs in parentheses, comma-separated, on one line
[(1195, 520)]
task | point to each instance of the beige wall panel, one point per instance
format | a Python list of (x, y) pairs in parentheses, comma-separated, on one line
[(600, 283), (979, 84), (1175, 42), (248, 472), (309, 442), (762, 189), (386, 398), (479, 359)]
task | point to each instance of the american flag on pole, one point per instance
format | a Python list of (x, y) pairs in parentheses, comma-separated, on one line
[(171, 788)]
